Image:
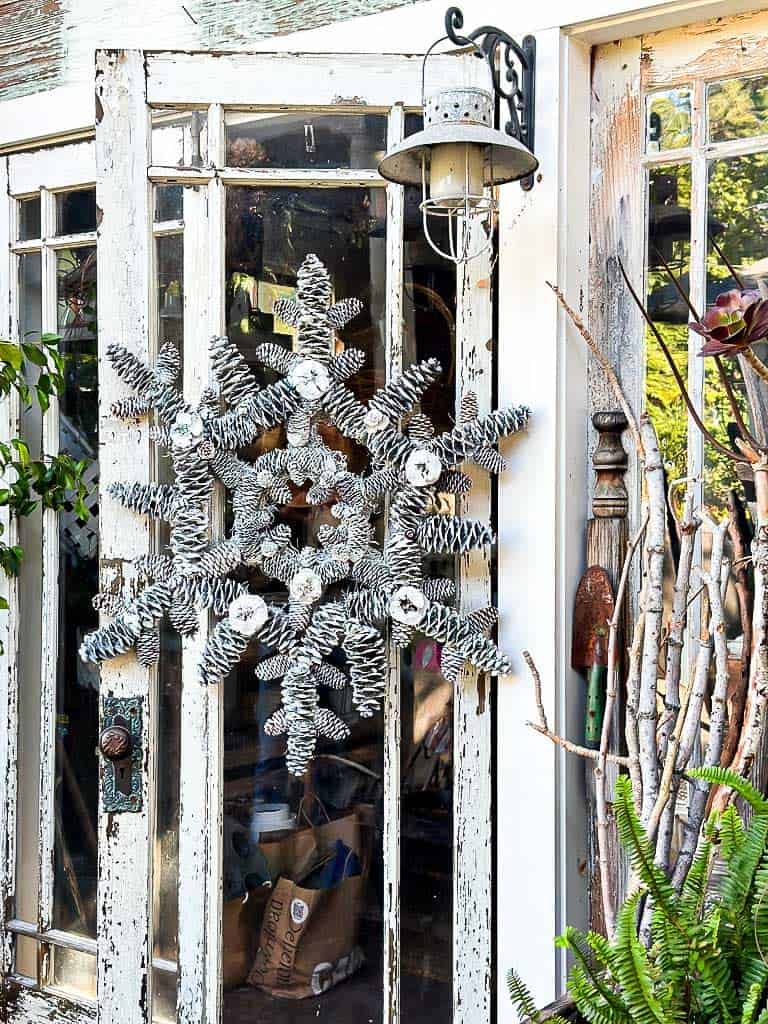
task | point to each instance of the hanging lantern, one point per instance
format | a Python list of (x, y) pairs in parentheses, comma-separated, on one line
[(460, 155)]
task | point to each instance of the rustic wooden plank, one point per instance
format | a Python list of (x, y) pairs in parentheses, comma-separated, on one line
[(194, 713), (123, 196), (28, 1006), (392, 706), (215, 734), (473, 695), (31, 46), (617, 232), (9, 696), (49, 639), (258, 81), (714, 49)]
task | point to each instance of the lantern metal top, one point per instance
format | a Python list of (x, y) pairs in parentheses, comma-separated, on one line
[(455, 116)]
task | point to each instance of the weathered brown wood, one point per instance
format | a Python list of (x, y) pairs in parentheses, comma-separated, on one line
[(607, 538)]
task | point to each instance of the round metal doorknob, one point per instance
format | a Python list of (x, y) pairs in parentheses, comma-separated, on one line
[(115, 742)]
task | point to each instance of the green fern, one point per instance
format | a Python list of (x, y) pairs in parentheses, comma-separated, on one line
[(707, 959)]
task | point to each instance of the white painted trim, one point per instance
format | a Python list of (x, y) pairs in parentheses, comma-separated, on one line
[(34, 1007), (124, 976), (53, 168), (259, 81), (543, 237)]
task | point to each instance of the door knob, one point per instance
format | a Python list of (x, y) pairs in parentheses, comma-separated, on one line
[(115, 742)]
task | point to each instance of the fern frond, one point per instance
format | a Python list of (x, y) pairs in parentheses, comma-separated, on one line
[(521, 997), (590, 1003), (634, 839), (731, 833), (632, 965), (717, 776), (695, 886), (749, 1009), (594, 960)]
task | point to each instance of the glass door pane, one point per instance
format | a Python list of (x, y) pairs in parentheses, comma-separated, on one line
[(276, 825)]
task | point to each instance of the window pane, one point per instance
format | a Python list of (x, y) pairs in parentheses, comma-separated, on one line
[(29, 219), (30, 619), (26, 957), (669, 241), (77, 681), (426, 864), (74, 972), (737, 108), (305, 140), (737, 256), (179, 138), (668, 120), (76, 211), (169, 202), (169, 261), (164, 991), (269, 232)]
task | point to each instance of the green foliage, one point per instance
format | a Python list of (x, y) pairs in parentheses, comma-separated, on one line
[(705, 961), (34, 370)]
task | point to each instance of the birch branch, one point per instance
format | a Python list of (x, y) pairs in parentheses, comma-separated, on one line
[(699, 789), (654, 611), (689, 524), (542, 726), (605, 366), (601, 802), (633, 697)]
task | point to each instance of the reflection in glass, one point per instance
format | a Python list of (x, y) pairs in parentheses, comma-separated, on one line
[(305, 140), (169, 263), (669, 241), (74, 973), (29, 219), (76, 211), (30, 618), (274, 824), (25, 963), (668, 120), (179, 138), (164, 992), (737, 256), (426, 864), (737, 108), (169, 202), (77, 681)]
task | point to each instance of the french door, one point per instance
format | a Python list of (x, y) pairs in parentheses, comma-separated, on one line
[(216, 176)]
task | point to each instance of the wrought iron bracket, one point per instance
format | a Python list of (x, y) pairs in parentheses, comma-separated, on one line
[(512, 67), (121, 763)]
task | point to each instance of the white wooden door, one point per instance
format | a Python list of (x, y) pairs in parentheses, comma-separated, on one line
[(215, 174)]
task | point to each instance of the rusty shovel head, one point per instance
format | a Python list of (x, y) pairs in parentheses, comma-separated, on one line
[(593, 610)]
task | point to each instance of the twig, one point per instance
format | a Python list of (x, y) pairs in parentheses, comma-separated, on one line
[(633, 696), (647, 712), (688, 526), (605, 366), (542, 726), (738, 532), (601, 802)]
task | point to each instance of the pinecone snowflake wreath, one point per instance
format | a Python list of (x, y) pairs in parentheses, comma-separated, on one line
[(409, 465)]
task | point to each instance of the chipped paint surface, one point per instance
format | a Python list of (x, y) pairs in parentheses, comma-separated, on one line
[(48, 43), (32, 51)]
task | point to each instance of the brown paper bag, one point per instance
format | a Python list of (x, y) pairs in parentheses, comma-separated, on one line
[(308, 940)]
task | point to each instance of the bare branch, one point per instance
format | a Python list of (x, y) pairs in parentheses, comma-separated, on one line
[(605, 366)]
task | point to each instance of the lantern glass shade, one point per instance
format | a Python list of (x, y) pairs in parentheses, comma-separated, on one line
[(457, 158)]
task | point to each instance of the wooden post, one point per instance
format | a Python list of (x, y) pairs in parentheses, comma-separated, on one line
[(607, 537)]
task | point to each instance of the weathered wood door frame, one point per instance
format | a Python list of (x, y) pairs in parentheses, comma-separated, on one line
[(128, 84)]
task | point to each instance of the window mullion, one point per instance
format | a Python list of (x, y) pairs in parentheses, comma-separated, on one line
[(392, 704), (50, 617), (698, 297)]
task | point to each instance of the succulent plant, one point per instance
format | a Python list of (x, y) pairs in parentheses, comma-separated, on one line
[(737, 320)]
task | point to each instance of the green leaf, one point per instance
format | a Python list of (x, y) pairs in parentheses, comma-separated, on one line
[(11, 354), (35, 355)]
